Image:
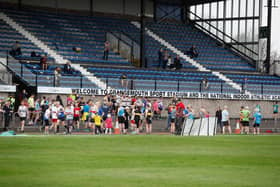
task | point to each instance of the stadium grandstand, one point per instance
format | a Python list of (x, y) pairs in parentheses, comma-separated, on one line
[(152, 48), (225, 36), (139, 93)]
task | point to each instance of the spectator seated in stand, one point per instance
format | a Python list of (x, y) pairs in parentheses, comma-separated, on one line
[(33, 54), (192, 52), (177, 63), (170, 63), (67, 68), (16, 50), (77, 49)]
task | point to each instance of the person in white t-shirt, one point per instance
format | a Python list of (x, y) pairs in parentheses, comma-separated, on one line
[(54, 115), (60, 117), (47, 116), (23, 114), (69, 116), (225, 120)]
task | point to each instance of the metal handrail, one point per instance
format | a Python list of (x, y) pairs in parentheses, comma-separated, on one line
[(224, 34), (119, 38), (131, 44), (123, 33)]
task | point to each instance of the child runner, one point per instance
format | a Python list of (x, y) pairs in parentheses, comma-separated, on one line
[(98, 123), (190, 113), (77, 111), (172, 120), (121, 118), (54, 116), (69, 113), (109, 124), (257, 121), (148, 115), (85, 117), (23, 114), (137, 118), (92, 112), (126, 121)]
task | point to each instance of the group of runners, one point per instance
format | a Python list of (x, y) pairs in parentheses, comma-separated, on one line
[(223, 119), (128, 114), (98, 116)]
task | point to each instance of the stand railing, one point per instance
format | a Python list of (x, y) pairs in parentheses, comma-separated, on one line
[(251, 59), (125, 46), (136, 82), (5, 75)]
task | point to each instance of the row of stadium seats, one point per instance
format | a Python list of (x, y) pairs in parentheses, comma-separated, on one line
[(190, 81), (211, 55), (33, 76), (58, 37), (62, 32)]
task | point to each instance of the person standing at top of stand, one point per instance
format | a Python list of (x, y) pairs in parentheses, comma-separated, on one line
[(193, 52), (165, 59), (106, 50), (16, 49)]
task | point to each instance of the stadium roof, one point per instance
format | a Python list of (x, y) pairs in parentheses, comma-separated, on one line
[(190, 2)]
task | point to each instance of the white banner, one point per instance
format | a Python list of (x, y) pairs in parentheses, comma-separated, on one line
[(195, 95), (54, 90), (146, 93), (7, 88)]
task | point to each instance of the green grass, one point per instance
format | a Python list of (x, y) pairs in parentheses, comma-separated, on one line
[(139, 161)]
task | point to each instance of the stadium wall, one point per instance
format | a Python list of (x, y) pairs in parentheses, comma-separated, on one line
[(124, 7)]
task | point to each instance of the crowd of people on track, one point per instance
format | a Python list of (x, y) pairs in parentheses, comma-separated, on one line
[(128, 114)]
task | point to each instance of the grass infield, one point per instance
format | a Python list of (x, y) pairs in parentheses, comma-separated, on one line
[(84, 161)]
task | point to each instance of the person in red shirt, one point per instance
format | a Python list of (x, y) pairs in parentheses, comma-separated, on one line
[(109, 124), (133, 100), (180, 107), (77, 113), (155, 109)]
